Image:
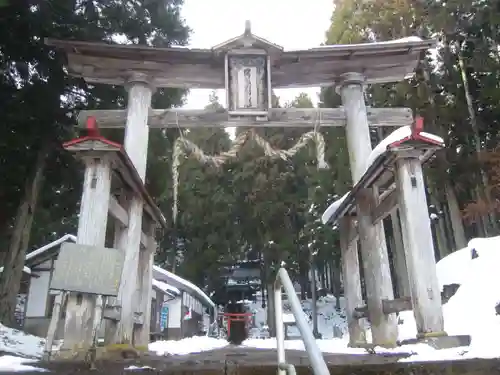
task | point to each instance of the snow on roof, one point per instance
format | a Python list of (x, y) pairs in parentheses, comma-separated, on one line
[(169, 289), (181, 283), (25, 270), (397, 135), (43, 249), (170, 277), (412, 39), (332, 208), (288, 318)]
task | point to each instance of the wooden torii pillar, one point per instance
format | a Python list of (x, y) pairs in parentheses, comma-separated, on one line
[(248, 67), (375, 258), (417, 238), (136, 274)]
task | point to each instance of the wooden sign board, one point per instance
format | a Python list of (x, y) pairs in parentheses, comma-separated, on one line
[(88, 269)]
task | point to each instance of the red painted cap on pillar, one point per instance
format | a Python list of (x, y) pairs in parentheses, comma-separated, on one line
[(418, 125), (91, 126)]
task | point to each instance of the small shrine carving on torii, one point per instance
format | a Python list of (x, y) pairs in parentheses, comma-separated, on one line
[(249, 68)]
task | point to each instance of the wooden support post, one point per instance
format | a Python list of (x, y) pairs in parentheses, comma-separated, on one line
[(373, 246), (120, 242), (136, 146), (399, 257), (376, 271), (419, 248), (91, 231), (54, 322), (146, 258), (352, 282)]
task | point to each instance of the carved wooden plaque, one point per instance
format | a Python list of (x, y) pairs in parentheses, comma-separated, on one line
[(88, 269), (248, 89)]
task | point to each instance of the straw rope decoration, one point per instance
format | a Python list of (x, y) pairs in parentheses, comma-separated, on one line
[(184, 147)]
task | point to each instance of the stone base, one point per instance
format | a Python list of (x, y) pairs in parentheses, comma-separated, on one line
[(108, 352), (440, 342)]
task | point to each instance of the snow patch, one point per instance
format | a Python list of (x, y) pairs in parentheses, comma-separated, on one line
[(20, 344), (471, 310), (136, 368), (17, 364), (196, 344)]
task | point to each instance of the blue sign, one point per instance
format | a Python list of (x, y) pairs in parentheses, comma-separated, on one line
[(163, 316)]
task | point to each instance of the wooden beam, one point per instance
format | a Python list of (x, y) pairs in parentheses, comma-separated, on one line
[(278, 117), (397, 305), (117, 211), (113, 313), (388, 306), (388, 202), (121, 215)]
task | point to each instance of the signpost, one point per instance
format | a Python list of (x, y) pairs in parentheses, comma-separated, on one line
[(88, 269), (164, 317)]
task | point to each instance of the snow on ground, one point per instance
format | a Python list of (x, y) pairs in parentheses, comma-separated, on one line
[(17, 364), (16, 345), (187, 345), (470, 311), (19, 343)]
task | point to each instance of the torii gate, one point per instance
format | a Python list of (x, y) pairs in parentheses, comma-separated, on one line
[(248, 68)]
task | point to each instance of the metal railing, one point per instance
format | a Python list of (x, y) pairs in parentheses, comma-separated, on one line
[(318, 363)]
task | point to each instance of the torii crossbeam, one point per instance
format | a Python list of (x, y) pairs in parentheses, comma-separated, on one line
[(277, 117)]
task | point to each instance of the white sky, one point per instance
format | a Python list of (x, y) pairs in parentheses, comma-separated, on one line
[(292, 24)]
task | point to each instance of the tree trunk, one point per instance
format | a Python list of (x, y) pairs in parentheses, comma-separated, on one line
[(449, 227), (441, 162), (270, 310), (444, 246), (10, 278), (322, 276), (441, 244), (491, 225), (332, 277), (455, 217), (336, 281), (481, 224)]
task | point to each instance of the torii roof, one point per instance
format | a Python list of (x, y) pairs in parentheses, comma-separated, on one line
[(247, 40), (95, 142), (184, 67)]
